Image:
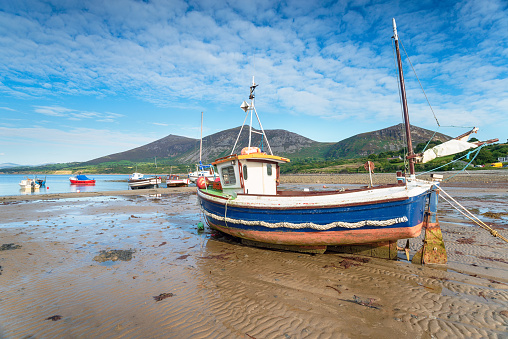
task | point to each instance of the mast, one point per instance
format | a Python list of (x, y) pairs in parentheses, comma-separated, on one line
[(201, 139), (410, 155), (246, 107), (251, 97)]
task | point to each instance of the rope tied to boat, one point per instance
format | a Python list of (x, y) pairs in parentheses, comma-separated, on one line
[(465, 212), (319, 227)]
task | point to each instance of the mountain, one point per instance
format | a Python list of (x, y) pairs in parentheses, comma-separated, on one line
[(220, 144), (167, 147), (183, 150), (387, 139), (8, 165), (186, 150)]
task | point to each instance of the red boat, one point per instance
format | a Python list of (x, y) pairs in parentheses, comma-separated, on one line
[(81, 180)]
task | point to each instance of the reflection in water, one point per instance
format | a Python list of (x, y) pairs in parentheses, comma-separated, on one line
[(82, 188), (28, 190)]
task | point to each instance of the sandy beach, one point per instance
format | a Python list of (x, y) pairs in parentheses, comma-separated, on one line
[(133, 264)]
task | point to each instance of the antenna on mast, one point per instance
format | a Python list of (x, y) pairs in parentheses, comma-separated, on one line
[(246, 107)]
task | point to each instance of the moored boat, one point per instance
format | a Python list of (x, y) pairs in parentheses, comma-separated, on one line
[(29, 184), (173, 180), (41, 182), (81, 179), (139, 181), (206, 171), (247, 204)]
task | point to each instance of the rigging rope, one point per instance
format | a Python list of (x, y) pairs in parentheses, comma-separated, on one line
[(470, 215), (428, 142), (476, 151), (419, 82)]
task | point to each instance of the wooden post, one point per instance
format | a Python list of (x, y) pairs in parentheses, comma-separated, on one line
[(433, 250)]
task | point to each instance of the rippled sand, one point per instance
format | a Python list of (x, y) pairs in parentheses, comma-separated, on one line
[(218, 288)]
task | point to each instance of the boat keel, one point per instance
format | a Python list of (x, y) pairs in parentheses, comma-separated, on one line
[(382, 250)]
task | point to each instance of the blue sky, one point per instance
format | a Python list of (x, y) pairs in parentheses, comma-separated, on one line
[(84, 79)]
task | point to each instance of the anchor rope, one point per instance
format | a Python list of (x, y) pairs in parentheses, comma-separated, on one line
[(471, 216), (351, 225)]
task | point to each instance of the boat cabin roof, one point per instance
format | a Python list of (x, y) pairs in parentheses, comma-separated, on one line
[(252, 156)]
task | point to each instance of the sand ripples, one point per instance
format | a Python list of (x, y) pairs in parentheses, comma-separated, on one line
[(222, 289)]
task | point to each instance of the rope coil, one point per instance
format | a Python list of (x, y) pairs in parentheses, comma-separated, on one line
[(319, 227)]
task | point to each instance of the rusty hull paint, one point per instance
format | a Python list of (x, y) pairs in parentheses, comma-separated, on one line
[(343, 237)]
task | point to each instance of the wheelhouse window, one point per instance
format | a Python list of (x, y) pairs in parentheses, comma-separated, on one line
[(228, 175), (244, 172), (269, 169)]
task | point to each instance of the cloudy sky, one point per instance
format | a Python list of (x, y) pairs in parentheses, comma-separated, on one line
[(84, 79)]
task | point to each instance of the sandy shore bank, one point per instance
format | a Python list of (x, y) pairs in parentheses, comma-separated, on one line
[(152, 191), (178, 282), (471, 178)]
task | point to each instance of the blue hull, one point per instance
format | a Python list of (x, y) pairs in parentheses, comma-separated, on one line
[(404, 218)]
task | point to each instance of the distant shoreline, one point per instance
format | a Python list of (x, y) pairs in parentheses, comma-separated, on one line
[(478, 179), (451, 178)]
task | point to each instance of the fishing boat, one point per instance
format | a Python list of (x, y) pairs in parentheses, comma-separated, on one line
[(139, 181), (41, 182), (29, 184), (81, 179), (173, 180), (247, 204), (205, 171)]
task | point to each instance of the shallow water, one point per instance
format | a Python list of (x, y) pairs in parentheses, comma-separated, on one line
[(9, 184)]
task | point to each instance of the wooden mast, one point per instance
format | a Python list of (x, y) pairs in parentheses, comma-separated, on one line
[(411, 154), (201, 140)]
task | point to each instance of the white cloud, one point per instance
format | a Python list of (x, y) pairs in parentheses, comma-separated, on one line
[(332, 61), (72, 114)]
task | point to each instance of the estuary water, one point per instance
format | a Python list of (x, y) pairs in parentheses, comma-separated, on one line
[(9, 184)]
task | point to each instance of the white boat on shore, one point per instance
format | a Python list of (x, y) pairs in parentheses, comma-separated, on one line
[(173, 180), (139, 181), (206, 171)]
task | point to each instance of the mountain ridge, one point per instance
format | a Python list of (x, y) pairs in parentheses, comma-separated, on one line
[(184, 150)]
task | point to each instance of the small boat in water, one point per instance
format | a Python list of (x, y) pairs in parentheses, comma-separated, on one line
[(139, 181), (81, 179), (29, 184), (41, 182), (247, 204)]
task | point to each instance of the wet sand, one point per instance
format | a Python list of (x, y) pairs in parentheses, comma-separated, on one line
[(211, 286)]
